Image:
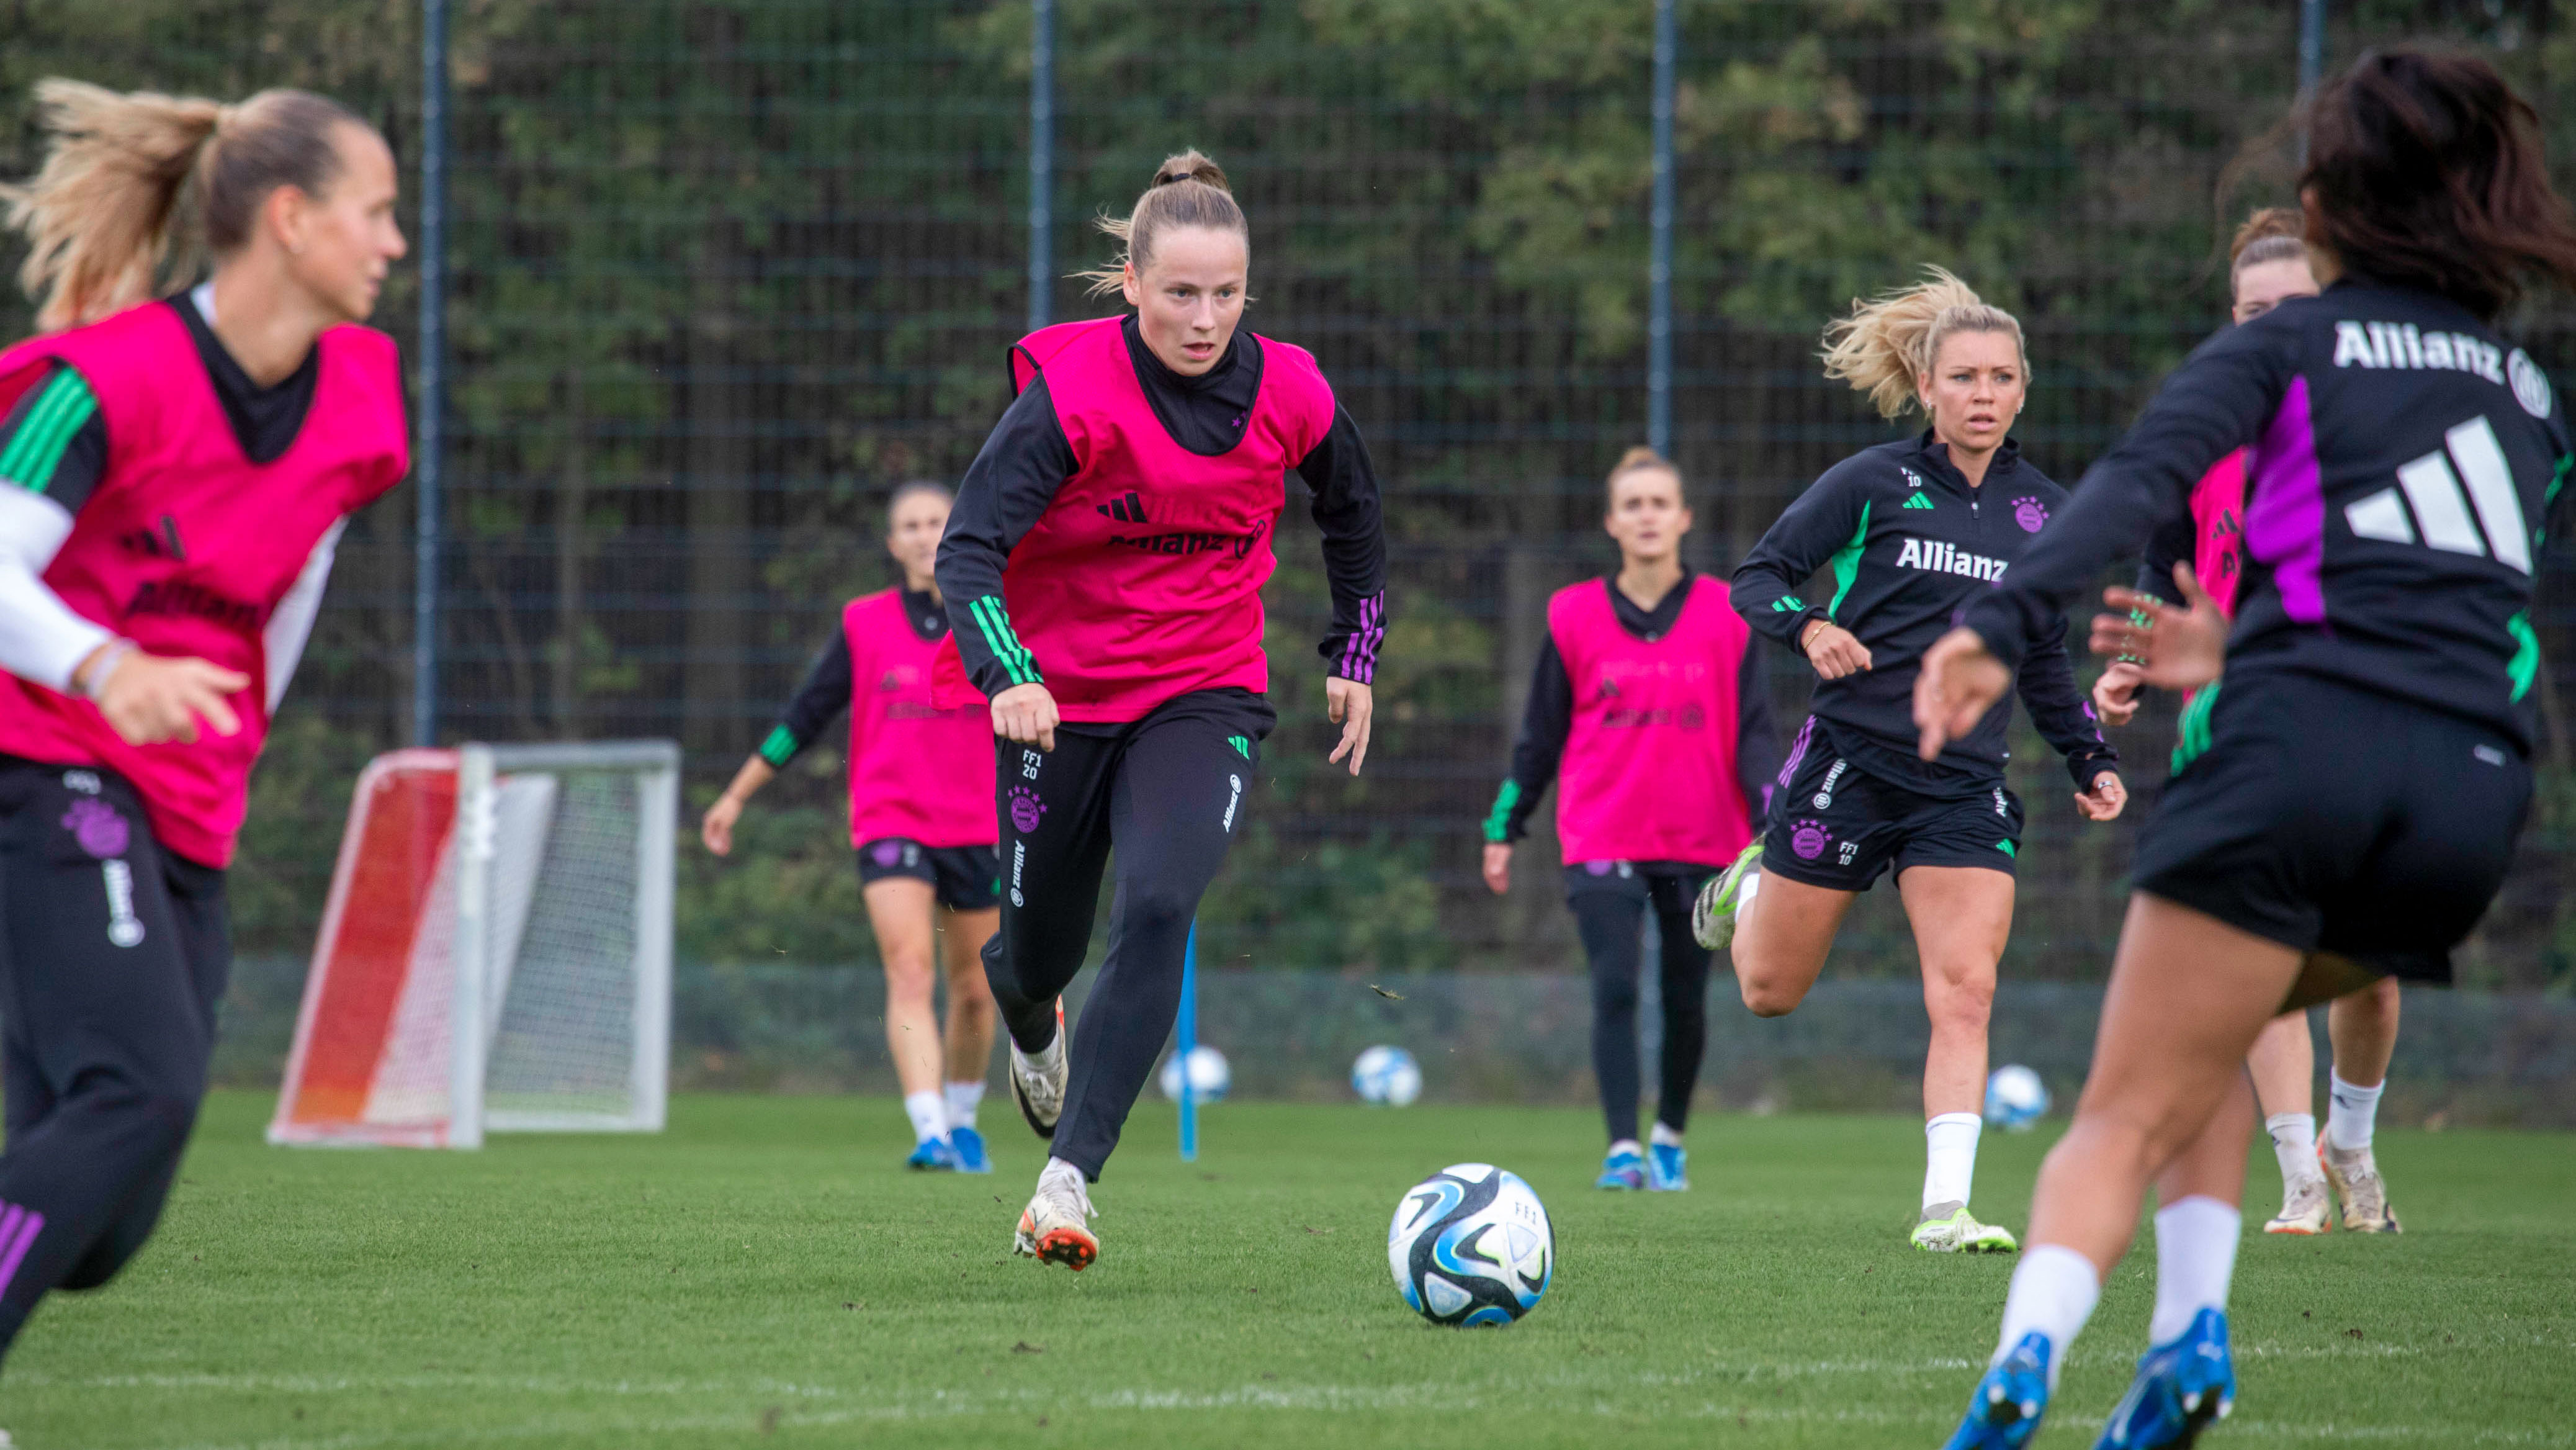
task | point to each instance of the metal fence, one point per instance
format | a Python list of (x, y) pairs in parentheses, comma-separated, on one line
[(721, 273)]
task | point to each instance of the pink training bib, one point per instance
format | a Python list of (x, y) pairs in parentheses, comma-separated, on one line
[(187, 545), (2218, 530), (916, 770)]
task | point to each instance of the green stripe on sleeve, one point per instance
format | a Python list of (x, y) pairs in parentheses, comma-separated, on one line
[(60, 411), (780, 747), (1499, 823), (2525, 664), (1847, 562), (995, 622), (2195, 727)]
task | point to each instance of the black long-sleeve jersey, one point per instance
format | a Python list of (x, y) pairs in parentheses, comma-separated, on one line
[(2406, 458), (1910, 542), (825, 692), (1549, 718), (1027, 458)]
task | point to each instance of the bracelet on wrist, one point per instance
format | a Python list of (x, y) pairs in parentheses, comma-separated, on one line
[(103, 664)]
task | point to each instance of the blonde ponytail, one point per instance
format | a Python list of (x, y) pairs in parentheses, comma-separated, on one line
[(137, 186), (1886, 344), (1188, 190)]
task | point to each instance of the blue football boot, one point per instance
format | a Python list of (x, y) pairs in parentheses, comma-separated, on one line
[(1666, 1168), (1622, 1169), (2182, 1386), (2004, 1412), (932, 1155), (968, 1145)]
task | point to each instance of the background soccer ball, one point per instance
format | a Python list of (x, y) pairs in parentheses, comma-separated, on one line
[(1209, 1076), (2015, 1098), (1471, 1245), (1387, 1075)]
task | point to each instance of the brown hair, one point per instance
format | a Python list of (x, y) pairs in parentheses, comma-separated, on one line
[(910, 488), (1886, 343), (2271, 234), (1639, 460), (136, 182), (1188, 190), (2425, 170)]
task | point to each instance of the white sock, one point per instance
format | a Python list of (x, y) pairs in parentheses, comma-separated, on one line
[(963, 1099), (1045, 1058), (2053, 1292), (1626, 1145), (2294, 1142), (1662, 1136), (929, 1115), (2195, 1257), (1066, 1181), (2351, 1112), (1950, 1157), (1744, 891)]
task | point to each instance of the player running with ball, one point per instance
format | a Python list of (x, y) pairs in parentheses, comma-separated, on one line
[(1107, 553), (173, 476), (1909, 532), (921, 819), (2347, 802)]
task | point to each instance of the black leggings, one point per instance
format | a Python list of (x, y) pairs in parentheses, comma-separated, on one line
[(113, 954), (1610, 900), (1168, 792)]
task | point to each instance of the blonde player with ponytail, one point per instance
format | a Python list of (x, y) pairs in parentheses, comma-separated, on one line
[(1905, 534)]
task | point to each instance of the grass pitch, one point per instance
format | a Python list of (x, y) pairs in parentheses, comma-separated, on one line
[(765, 1274)]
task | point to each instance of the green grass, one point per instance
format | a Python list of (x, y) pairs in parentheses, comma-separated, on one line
[(764, 1274)]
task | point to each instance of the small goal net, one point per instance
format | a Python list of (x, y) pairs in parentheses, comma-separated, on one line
[(495, 955)]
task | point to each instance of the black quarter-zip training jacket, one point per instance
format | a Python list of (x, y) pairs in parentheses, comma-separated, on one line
[(1910, 544)]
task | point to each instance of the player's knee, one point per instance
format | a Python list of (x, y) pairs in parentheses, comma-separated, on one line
[(1158, 908), (1613, 996), (1767, 995), (908, 977)]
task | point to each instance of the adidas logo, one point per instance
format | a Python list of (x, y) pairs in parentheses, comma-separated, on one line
[(1128, 510), (1919, 501), (2430, 488)]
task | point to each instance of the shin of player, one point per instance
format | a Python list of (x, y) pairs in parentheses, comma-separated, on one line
[(1106, 558), (921, 820), (2304, 844), (173, 475), (1906, 533), (1649, 694)]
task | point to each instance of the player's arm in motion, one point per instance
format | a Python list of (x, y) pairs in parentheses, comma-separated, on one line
[(2057, 711), (1767, 587), (810, 711)]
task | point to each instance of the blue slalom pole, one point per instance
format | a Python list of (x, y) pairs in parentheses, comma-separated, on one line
[(1185, 1040)]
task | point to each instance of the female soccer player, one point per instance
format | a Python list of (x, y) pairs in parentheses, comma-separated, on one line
[(1904, 529), (173, 476), (1121, 515), (2268, 265), (1650, 692), (921, 819), (2348, 799)]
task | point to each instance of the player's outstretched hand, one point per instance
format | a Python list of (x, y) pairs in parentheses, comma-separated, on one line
[(2178, 647), (1026, 714), (1960, 681), (150, 699), (716, 829), (2104, 800), (2115, 695), (1498, 866), (1834, 650), (1349, 704)]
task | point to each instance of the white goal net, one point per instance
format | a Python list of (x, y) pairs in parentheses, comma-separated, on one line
[(495, 955)]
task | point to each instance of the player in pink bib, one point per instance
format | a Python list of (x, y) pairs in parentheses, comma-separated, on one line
[(921, 819), (1122, 515), (1649, 692), (173, 476)]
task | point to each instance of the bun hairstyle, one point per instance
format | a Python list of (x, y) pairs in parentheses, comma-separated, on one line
[(1889, 341), (136, 183), (1188, 190), (1639, 460), (2271, 234), (2426, 170)]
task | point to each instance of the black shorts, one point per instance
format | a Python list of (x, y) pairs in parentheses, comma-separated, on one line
[(1836, 826), (964, 878), (1666, 885), (2329, 819)]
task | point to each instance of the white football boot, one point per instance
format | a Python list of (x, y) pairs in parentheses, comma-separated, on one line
[(1713, 914), (1037, 1083), (2355, 1175), (2306, 1208), (1056, 1226)]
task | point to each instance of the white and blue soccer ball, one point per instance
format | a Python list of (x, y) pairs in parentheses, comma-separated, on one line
[(2015, 1098), (1471, 1244), (1387, 1075), (1209, 1075)]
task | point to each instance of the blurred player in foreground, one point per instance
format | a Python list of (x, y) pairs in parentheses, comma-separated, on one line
[(173, 477), (921, 820), (2348, 798), (1649, 690)]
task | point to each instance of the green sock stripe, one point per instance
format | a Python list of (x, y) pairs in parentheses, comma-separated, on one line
[(61, 411), (1015, 658), (1498, 822), (781, 746)]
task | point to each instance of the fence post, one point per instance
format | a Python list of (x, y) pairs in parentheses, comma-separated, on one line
[(1041, 162), (427, 463), (1659, 275)]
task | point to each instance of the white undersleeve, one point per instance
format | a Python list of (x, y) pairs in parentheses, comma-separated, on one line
[(41, 639), (290, 624)]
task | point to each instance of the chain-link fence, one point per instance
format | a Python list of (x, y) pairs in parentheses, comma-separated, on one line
[(723, 272)]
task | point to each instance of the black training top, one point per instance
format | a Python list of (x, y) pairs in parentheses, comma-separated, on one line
[(2405, 460), (1910, 542), (826, 691)]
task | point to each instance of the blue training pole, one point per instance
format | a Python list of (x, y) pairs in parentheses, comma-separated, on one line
[(1185, 1039)]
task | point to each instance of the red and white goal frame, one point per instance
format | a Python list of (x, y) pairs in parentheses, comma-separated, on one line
[(495, 954)]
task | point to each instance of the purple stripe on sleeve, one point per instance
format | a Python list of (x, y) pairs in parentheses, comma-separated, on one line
[(1797, 751), (2285, 513), (1359, 648), (17, 1244)]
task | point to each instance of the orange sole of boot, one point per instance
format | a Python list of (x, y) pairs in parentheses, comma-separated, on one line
[(1070, 1247)]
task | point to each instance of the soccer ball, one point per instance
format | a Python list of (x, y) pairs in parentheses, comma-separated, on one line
[(1387, 1075), (1471, 1245), (1209, 1076), (2015, 1098)]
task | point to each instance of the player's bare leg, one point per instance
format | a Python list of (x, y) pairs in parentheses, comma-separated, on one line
[(900, 910), (1783, 932), (2284, 1068), (2363, 1027), (1962, 916)]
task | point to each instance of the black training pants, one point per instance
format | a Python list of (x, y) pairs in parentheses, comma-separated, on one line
[(1610, 900), (113, 954), (1168, 792)]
